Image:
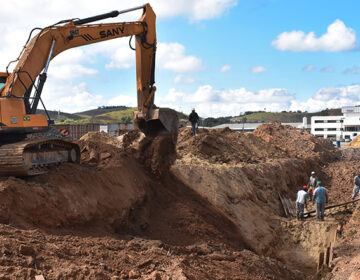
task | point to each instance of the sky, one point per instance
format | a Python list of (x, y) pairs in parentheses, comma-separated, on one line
[(221, 57)]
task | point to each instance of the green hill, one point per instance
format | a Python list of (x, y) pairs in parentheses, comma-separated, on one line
[(121, 115), (101, 110), (262, 116)]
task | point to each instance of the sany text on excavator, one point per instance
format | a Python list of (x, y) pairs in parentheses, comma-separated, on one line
[(21, 92)]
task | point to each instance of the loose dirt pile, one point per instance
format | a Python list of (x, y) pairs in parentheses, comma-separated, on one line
[(340, 178), (140, 208), (226, 146), (101, 137), (296, 143), (355, 142), (75, 255), (346, 253)]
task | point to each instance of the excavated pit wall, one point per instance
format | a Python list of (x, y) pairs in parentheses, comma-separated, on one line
[(245, 185), (207, 199), (248, 195)]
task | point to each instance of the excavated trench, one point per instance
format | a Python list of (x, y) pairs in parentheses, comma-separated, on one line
[(210, 211), (258, 213)]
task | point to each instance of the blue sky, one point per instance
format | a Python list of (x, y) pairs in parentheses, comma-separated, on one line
[(270, 58)]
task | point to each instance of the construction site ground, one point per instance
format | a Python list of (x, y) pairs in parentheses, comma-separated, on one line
[(209, 208)]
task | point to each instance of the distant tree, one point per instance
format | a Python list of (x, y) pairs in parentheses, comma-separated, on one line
[(126, 119)]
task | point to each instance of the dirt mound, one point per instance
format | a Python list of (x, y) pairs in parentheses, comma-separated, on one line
[(355, 142), (134, 209), (130, 137), (157, 154), (74, 195), (102, 137), (225, 146), (98, 153), (75, 255), (296, 143), (346, 252), (340, 179)]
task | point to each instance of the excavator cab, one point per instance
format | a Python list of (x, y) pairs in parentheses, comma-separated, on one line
[(3, 77)]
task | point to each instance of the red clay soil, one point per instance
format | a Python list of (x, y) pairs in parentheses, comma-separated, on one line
[(86, 254), (129, 137), (126, 213), (296, 143), (226, 146), (346, 260), (157, 154), (79, 222), (339, 179)]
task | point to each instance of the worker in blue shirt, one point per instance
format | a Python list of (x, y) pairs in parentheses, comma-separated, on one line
[(320, 198)]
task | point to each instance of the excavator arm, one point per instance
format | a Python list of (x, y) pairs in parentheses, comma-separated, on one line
[(20, 95)]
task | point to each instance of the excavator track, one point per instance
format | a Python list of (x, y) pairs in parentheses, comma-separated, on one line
[(34, 157)]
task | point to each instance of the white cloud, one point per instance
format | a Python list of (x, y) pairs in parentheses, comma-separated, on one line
[(327, 69), (258, 69), (352, 70), (337, 38), (171, 56), (193, 10), (70, 98), (123, 100), (16, 21), (71, 71), (181, 79), (331, 97), (229, 102), (211, 102), (308, 68), (225, 68)]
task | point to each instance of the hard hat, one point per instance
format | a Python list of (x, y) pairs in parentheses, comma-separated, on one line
[(305, 187), (319, 182), (312, 172)]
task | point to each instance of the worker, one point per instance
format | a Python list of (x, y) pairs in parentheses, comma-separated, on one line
[(321, 198), (194, 119), (312, 184), (356, 186), (301, 198)]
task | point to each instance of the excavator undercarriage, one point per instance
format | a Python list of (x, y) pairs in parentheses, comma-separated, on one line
[(36, 156)]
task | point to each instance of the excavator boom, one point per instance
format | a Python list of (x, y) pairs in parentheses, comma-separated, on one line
[(21, 92)]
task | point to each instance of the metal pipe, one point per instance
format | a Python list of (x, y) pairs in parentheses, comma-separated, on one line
[(49, 57), (333, 206)]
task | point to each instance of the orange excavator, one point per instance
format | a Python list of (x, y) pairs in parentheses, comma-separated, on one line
[(21, 92)]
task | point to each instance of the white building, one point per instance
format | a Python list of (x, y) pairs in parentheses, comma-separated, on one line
[(250, 127), (346, 126)]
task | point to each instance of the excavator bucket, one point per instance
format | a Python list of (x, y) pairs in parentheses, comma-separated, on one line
[(159, 121)]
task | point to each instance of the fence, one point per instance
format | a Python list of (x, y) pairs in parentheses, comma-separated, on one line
[(76, 131)]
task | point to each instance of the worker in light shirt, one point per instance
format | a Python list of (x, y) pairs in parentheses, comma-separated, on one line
[(301, 198)]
